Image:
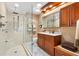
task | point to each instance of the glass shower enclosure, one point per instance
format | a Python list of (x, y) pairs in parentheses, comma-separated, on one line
[(16, 32), (23, 24)]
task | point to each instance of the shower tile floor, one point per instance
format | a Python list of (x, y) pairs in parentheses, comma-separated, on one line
[(16, 51), (35, 50)]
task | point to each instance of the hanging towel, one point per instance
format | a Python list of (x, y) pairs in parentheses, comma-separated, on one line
[(77, 35)]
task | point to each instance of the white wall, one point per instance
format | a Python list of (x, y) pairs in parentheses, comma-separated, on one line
[(36, 22)]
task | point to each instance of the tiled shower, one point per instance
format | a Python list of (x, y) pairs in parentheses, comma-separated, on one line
[(15, 32)]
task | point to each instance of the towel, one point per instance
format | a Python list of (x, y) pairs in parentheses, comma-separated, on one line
[(68, 45), (76, 43), (77, 30)]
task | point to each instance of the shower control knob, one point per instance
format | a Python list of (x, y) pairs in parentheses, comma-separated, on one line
[(15, 51), (6, 41), (6, 31), (32, 43)]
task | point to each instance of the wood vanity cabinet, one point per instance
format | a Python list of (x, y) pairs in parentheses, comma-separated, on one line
[(60, 51), (48, 42), (69, 15)]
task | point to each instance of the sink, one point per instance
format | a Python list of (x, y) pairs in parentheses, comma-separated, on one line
[(50, 33)]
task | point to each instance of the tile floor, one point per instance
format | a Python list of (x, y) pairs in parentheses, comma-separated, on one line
[(16, 51)]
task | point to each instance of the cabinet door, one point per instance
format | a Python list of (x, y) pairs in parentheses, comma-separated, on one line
[(49, 48), (74, 14), (71, 15), (40, 40), (64, 17), (49, 45), (57, 40), (76, 7)]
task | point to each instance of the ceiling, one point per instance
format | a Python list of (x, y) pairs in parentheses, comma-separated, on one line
[(25, 7)]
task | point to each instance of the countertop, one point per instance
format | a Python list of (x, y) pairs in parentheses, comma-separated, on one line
[(52, 34)]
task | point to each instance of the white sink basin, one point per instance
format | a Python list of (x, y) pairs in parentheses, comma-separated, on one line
[(52, 34)]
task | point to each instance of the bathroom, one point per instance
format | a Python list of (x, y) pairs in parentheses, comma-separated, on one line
[(25, 27)]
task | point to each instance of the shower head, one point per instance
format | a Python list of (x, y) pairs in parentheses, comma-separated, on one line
[(15, 13)]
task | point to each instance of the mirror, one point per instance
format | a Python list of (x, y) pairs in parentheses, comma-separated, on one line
[(50, 21)]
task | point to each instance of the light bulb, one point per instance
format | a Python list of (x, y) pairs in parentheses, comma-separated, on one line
[(39, 5), (16, 5)]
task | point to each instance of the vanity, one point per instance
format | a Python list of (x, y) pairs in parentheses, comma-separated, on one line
[(47, 41)]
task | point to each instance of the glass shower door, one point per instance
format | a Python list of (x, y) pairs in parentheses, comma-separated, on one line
[(28, 31), (23, 28), (28, 35)]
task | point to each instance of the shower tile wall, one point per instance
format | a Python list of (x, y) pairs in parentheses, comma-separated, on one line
[(11, 36), (2, 34)]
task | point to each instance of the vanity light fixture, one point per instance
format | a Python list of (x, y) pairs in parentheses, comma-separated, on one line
[(54, 7), (15, 7), (45, 8), (37, 10), (39, 5), (62, 3), (51, 6)]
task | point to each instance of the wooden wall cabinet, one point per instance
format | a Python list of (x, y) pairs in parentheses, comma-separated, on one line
[(48, 42), (69, 15), (64, 15)]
